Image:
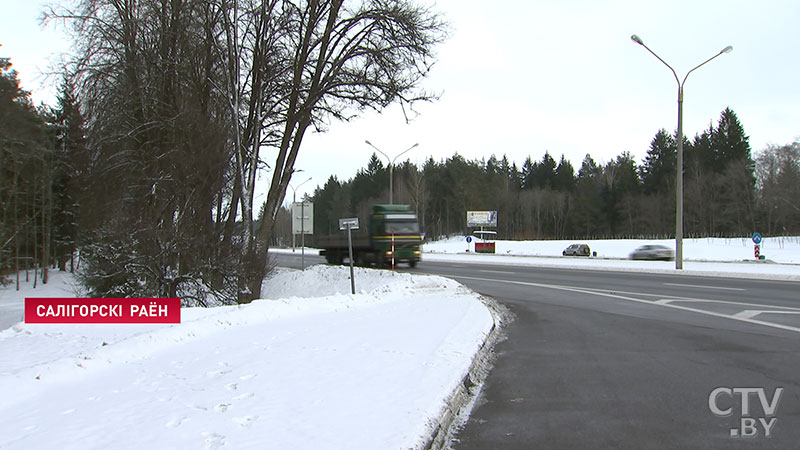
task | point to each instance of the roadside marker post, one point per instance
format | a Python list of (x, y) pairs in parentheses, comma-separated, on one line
[(349, 225), (757, 247)]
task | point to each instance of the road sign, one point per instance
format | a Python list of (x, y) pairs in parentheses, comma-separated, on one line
[(756, 238), (351, 223), (469, 239), (302, 218)]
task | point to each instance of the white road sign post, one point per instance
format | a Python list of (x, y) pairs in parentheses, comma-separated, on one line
[(349, 225), (302, 223), (757, 245)]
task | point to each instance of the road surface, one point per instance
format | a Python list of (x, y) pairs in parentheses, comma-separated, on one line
[(625, 360)]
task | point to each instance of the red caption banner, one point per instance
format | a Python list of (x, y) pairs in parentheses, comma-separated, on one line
[(102, 310)]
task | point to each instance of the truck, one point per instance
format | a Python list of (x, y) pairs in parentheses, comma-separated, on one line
[(389, 227)]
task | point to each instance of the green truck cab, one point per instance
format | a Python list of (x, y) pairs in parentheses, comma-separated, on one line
[(391, 231)]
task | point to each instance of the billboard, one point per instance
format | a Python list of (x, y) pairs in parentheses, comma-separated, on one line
[(481, 218)]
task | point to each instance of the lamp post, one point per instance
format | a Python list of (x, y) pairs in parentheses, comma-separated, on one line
[(679, 166), (294, 200), (391, 166)]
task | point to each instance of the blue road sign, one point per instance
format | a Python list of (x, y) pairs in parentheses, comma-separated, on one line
[(469, 239), (756, 238)]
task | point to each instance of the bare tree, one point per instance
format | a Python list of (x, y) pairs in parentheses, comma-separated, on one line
[(344, 59), (183, 100)]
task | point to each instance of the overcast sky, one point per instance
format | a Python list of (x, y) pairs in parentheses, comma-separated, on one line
[(524, 77)]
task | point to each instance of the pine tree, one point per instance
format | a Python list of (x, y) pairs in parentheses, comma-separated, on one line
[(735, 179), (729, 141), (24, 174), (544, 173), (588, 212), (564, 176), (658, 171), (69, 174)]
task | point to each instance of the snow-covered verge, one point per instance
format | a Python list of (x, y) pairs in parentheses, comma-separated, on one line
[(313, 368), (708, 256), (777, 249)]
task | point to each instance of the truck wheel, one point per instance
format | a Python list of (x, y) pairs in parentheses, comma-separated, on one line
[(412, 264)]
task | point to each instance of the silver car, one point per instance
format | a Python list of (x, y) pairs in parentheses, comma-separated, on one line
[(651, 251), (576, 250)]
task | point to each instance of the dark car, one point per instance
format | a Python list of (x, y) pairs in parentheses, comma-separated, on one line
[(652, 251), (577, 250)]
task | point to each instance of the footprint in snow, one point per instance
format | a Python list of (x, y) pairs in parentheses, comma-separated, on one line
[(244, 396), (176, 422), (216, 373), (231, 386), (244, 421), (247, 377), (222, 407), (213, 440)]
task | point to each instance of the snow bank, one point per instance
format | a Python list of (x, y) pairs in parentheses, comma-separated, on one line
[(702, 257), (311, 367), (778, 249)]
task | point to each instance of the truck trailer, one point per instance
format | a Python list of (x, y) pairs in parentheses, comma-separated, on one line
[(391, 231)]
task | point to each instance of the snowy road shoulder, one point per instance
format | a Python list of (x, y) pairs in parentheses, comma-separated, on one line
[(314, 368)]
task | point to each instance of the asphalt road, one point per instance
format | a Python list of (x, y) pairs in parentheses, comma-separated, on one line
[(623, 360)]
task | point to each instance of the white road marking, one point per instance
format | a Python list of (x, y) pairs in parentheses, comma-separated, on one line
[(498, 271), (667, 303), (727, 302), (749, 313), (698, 286)]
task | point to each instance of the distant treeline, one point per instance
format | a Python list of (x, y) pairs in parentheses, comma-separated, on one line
[(726, 191)]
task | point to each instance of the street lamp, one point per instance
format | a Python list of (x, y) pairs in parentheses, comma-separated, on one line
[(679, 167), (391, 166), (294, 200)]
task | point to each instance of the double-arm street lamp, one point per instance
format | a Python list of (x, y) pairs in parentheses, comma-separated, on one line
[(391, 166), (679, 166), (294, 200)]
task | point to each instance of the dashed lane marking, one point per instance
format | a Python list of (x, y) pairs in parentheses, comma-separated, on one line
[(498, 271), (699, 286)]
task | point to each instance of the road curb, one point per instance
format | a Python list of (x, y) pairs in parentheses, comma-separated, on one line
[(447, 423)]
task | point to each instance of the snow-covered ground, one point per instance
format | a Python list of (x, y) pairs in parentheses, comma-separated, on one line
[(313, 368), (707, 256), (779, 249)]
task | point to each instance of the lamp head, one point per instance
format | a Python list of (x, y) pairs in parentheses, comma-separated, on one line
[(727, 49), (637, 39)]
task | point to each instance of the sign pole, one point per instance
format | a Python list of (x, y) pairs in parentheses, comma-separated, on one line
[(349, 225), (303, 235), (350, 248), (757, 247)]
